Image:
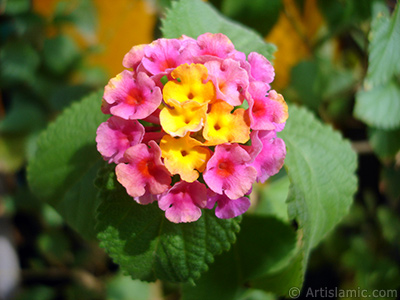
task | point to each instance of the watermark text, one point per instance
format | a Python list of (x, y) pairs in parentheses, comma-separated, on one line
[(295, 292)]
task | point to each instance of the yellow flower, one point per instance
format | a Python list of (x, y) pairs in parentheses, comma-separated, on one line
[(184, 156), (191, 86), (222, 126), (180, 118)]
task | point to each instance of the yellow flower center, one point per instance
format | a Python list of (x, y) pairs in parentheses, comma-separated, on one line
[(184, 156), (222, 126), (189, 84)]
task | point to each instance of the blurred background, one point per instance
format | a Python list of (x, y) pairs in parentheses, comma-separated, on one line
[(53, 52)]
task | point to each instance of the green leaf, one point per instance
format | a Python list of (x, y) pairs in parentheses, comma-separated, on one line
[(124, 288), (386, 143), (282, 281), (384, 54), (195, 17), (66, 162), (272, 198), (380, 106), (321, 167), (147, 246), (264, 246)]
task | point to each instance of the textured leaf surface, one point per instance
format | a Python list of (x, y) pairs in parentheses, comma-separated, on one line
[(321, 167), (265, 245), (380, 106), (194, 17), (384, 56), (148, 247), (66, 162)]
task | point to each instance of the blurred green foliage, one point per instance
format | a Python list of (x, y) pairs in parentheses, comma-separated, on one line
[(335, 81)]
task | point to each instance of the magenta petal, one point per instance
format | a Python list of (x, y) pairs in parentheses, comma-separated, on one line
[(227, 171), (134, 57), (266, 113), (229, 79), (131, 98), (183, 202), (255, 148), (147, 198), (144, 172), (211, 44), (115, 136), (271, 158), (261, 68), (228, 208), (279, 126), (162, 55)]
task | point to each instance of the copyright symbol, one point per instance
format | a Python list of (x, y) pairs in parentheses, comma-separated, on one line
[(294, 292)]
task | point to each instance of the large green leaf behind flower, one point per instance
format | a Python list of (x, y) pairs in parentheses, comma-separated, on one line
[(194, 17), (147, 246), (66, 162), (320, 165)]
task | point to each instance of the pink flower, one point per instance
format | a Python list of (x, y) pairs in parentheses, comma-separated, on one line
[(134, 57), (163, 55), (115, 136), (147, 198), (212, 46), (261, 68), (183, 202), (229, 79), (268, 111), (131, 98), (227, 171), (228, 208), (144, 172), (188, 96), (271, 157)]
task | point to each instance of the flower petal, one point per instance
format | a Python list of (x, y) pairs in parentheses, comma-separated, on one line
[(131, 98), (227, 171), (261, 68), (191, 86), (229, 79), (134, 57), (180, 118), (220, 122), (184, 201), (228, 208), (184, 156), (163, 55), (144, 171), (115, 136), (267, 110), (271, 157)]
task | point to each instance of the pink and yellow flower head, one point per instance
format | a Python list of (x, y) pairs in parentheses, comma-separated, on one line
[(193, 125)]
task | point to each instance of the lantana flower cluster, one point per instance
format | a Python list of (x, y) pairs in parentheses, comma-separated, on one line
[(193, 125)]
